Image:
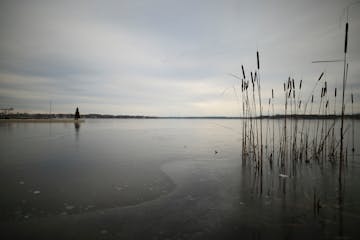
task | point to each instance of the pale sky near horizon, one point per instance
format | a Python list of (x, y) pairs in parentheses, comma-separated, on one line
[(167, 57)]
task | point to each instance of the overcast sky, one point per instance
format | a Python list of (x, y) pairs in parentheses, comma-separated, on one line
[(167, 57)]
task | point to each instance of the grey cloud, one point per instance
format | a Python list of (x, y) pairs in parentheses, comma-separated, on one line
[(166, 57)]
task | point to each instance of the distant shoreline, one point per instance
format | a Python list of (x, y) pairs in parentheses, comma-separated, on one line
[(70, 117), (42, 120)]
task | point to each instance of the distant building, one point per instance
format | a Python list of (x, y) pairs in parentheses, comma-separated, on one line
[(6, 111)]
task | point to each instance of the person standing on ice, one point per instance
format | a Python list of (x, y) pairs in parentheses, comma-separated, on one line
[(77, 114)]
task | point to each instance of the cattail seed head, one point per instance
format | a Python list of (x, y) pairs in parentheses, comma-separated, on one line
[(325, 91), (352, 99), (258, 61), (321, 76), (272, 93), (312, 98), (293, 83), (335, 92), (300, 83), (243, 71), (346, 36)]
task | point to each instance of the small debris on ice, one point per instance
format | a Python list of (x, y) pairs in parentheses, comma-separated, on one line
[(189, 198), (283, 175), (89, 206), (69, 207), (21, 182), (241, 203), (119, 188), (104, 231), (36, 192)]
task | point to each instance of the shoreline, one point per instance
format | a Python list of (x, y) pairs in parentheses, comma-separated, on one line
[(43, 120), (275, 117)]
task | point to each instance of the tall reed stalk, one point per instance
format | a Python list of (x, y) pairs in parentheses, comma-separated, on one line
[(343, 104)]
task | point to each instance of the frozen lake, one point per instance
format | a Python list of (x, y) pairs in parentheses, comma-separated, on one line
[(166, 179)]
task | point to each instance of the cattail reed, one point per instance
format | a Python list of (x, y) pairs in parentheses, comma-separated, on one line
[(322, 74), (343, 105), (353, 130), (298, 142), (273, 127), (259, 94)]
